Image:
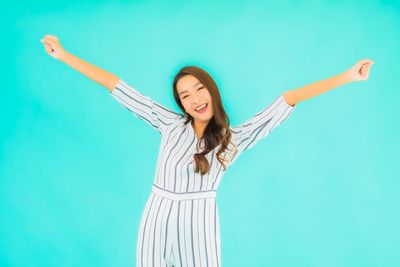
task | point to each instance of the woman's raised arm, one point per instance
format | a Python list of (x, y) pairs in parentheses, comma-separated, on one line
[(54, 49), (142, 106), (262, 123), (359, 72)]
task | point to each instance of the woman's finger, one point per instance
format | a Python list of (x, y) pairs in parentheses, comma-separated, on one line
[(44, 41), (369, 61), (52, 37), (48, 38)]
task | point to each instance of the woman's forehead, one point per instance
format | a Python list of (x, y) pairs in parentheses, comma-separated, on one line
[(187, 83)]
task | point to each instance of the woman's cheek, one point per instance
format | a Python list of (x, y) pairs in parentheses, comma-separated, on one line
[(186, 108)]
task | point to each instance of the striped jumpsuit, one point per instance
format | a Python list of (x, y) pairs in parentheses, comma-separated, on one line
[(180, 222)]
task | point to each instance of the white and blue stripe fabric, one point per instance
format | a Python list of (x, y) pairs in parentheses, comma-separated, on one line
[(180, 222)]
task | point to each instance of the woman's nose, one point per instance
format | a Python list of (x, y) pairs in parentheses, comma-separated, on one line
[(196, 101)]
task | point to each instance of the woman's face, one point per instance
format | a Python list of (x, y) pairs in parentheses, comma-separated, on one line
[(194, 95)]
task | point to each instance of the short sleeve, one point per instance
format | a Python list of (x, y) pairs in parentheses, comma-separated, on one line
[(261, 124), (143, 107)]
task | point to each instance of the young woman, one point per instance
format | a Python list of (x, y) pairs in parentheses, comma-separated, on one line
[(180, 222)]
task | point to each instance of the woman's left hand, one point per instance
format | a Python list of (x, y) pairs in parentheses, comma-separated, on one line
[(360, 70)]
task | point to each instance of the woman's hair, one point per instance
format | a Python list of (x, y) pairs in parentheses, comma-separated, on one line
[(217, 130)]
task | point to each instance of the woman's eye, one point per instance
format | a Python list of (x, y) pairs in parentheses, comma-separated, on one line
[(197, 90)]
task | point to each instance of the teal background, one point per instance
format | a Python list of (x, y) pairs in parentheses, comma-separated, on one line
[(76, 168)]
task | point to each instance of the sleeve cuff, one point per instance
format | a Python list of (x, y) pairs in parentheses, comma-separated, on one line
[(286, 103), (115, 86)]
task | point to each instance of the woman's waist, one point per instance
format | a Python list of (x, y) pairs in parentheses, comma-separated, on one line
[(183, 195)]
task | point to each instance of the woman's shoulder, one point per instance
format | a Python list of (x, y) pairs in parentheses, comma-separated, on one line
[(178, 122)]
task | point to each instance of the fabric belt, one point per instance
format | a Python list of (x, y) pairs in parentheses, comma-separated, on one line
[(183, 195)]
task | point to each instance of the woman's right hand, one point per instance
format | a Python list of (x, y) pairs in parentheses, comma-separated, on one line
[(53, 46)]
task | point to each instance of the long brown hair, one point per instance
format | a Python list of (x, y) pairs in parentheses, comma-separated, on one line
[(217, 130)]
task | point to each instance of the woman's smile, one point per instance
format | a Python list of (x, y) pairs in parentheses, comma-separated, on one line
[(202, 109)]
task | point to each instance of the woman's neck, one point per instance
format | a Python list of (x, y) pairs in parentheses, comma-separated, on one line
[(199, 128)]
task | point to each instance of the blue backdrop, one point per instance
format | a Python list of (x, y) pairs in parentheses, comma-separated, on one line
[(76, 168)]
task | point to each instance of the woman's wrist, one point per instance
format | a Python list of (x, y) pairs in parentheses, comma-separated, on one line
[(63, 56), (346, 76)]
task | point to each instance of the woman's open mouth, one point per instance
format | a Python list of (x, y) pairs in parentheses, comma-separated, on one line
[(203, 108)]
